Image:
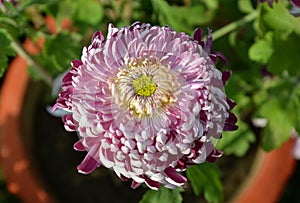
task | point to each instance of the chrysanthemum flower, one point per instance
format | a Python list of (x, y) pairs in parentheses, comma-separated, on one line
[(147, 102)]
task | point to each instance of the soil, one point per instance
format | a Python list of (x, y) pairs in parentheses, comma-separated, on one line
[(55, 161)]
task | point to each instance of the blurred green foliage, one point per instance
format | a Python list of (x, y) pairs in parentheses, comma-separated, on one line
[(163, 195), (205, 178), (5, 51)]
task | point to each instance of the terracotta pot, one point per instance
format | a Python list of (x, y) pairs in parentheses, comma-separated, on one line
[(18, 171), (268, 176)]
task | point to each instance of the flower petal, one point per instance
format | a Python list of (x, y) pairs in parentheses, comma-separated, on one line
[(88, 165)]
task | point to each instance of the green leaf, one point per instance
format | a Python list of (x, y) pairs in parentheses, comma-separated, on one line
[(184, 18), (59, 51), (10, 26), (262, 50), (89, 11), (5, 51), (286, 55), (278, 18), (163, 195), (288, 95), (210, 4), (245, 6), (206, 178), (281, 109), (279, 126), (83, 13), (237, 142), (294, 107)]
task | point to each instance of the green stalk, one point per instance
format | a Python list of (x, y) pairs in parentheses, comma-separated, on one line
[(32, 62), (234, 25)]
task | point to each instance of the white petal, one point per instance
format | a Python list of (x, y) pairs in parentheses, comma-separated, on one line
[(107, 163), (163, 157)]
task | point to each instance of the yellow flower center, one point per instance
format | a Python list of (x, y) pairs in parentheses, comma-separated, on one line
[(144, 86)]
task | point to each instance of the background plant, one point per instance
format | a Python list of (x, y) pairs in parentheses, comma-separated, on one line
[(261, 44)]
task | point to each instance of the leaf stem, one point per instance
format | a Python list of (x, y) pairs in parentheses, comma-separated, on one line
[(234, 25), (32, 62)]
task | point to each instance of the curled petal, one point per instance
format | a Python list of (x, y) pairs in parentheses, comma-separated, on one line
[(154, 185), (76, 63), (214, 155), (230, 123), (79, 146), (198, 35), (175, 176), (230, 127), (232, 119), (134, 184), (231, 103), (88, 165), (220, 56), (225, 76), (70, 125), (208, 42)]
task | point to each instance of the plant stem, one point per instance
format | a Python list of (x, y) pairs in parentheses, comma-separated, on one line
[(234, 25), (32, 62)]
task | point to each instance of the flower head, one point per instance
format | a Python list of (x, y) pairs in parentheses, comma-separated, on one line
[(147, 102)]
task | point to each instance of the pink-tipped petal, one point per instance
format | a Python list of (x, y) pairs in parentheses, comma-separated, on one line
[(76, 63), (98, 35), (208, 42), (198, 35), (214, 155), (231, 103), (232, 119), (69, 122), (230, 123), (174, 175), (220, 55), (230, 127), (88, 165), (134, 184), (55, 107), (79, 146), (154, 185), (225, 76)]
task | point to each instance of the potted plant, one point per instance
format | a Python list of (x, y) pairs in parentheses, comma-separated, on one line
[(261, 90)]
